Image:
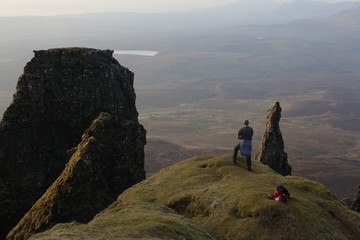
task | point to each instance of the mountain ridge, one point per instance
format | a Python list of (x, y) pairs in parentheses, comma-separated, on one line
[(225, 201)]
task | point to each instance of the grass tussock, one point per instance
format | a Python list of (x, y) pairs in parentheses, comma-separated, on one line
[(207, 197)]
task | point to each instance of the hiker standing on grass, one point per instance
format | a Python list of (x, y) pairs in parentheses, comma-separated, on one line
[(245, 135)]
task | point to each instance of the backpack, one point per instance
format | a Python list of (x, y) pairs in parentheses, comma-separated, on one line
[(283, 190), (281, 194)]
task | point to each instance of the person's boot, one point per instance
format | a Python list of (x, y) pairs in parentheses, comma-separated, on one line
[(235, 156), (248, 161)]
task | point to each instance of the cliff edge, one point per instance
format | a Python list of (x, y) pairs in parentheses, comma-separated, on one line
[(59, 94)]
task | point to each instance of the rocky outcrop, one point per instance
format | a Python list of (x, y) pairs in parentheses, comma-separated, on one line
[(109, 159), (57, 97), (356, 202), (271, 151)]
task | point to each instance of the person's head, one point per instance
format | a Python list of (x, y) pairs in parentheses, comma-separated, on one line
[(246, 122)]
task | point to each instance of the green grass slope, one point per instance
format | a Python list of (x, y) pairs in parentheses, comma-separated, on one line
[(206, 197)]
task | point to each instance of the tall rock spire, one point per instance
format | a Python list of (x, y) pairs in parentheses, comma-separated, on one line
[(59, 94), (271, 151), (356, 202)]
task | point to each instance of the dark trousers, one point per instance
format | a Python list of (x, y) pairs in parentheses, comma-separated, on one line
[(248, 159)]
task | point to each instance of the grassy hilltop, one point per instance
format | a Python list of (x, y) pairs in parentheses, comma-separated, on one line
[(206, 197)]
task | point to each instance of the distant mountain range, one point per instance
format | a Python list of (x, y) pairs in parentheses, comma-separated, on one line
[(262, 12), (268, 12), (343, 24)]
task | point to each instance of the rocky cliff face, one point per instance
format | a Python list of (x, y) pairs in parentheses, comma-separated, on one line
[(356, 202), (58, 96), (271, 151), (109, 159)]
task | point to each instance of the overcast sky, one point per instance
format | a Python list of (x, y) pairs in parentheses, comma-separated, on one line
[(55, 7)]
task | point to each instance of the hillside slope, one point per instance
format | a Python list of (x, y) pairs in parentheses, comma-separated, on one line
[(206, 197)]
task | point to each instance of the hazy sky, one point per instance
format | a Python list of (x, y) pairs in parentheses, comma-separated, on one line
[(54, 7)]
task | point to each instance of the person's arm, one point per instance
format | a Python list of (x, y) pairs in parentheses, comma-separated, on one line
[(239, 135)]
